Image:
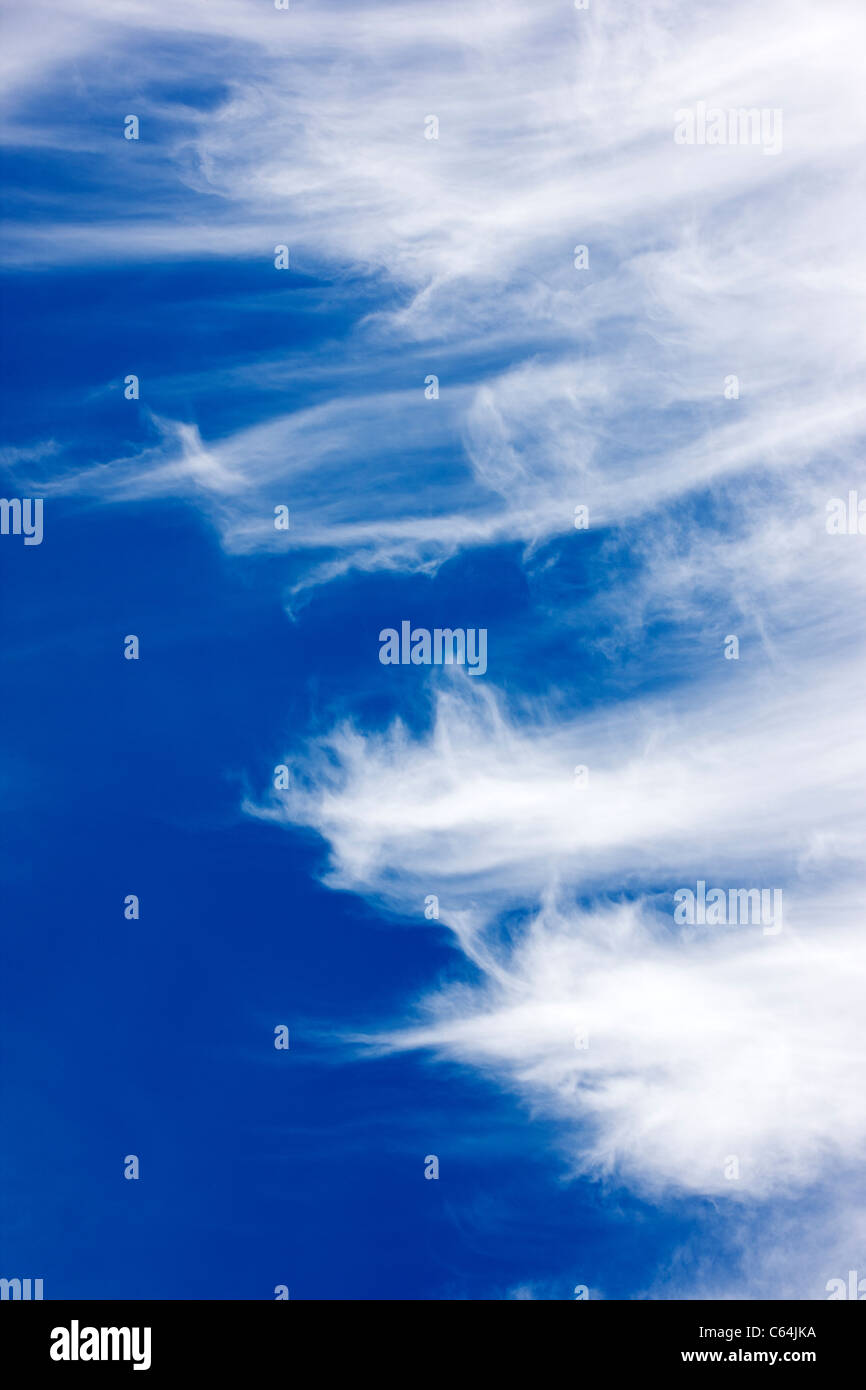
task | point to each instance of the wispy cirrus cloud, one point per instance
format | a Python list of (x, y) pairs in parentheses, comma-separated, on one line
[(559, 385), (681, 1061), (609, 387)]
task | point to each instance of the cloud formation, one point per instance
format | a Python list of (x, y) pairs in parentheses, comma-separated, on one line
[(559, 386), (705, 1041), (697, 384)]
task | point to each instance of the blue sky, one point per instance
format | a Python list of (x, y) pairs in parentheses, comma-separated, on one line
[(607, 1167)]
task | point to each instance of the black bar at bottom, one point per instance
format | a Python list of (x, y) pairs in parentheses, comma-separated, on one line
[(214, 1339)]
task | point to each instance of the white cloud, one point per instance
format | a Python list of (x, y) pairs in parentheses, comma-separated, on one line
[(490, 804), (705, 1043), (556, 128), (558, 386)]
